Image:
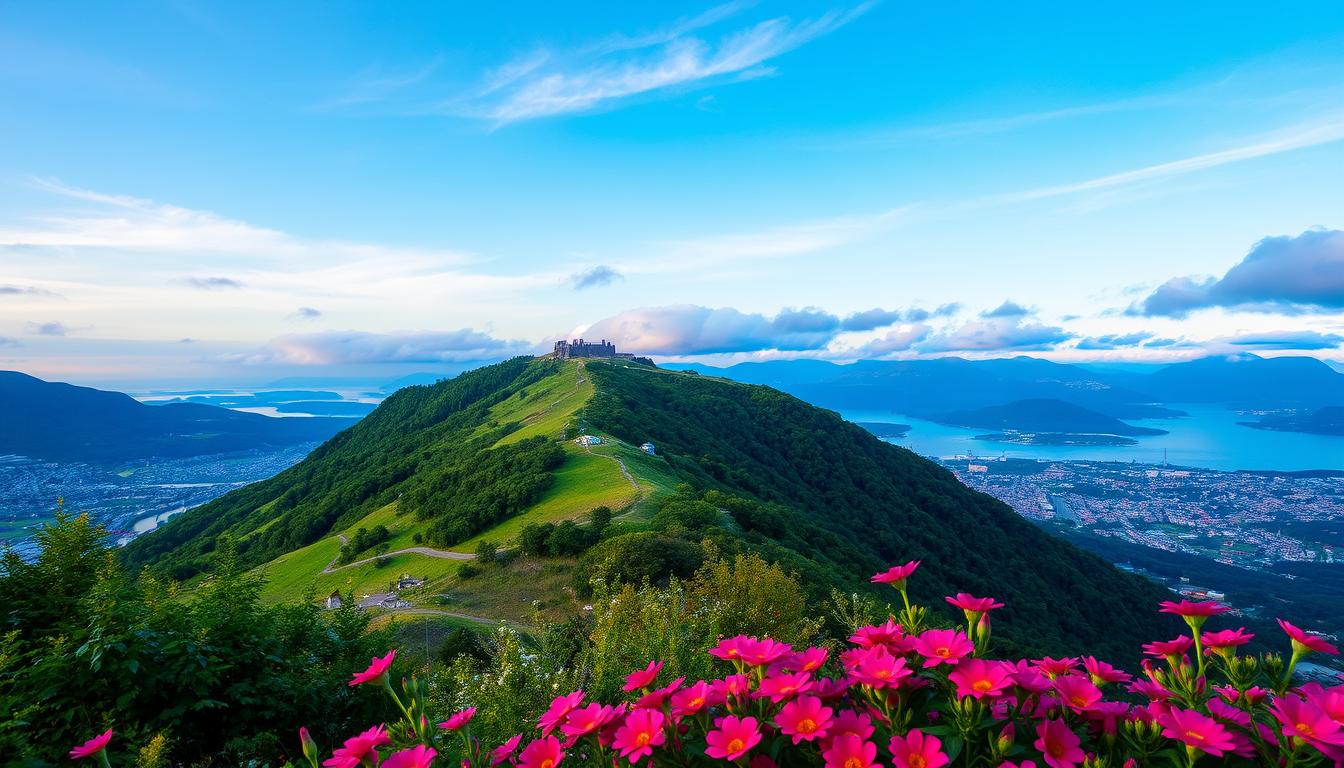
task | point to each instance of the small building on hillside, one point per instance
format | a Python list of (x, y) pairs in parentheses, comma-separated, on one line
[(649, 449), (586, 440), (409, 582), (333, 601)]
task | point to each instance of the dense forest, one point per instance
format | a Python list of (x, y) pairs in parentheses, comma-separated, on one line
[(854, 503), (417, 440)]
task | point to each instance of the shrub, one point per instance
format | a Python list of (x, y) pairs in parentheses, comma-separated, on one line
[(487, 552), (633, 558)]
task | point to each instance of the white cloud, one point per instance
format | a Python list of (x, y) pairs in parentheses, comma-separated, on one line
[(364, 347), (543, 84)]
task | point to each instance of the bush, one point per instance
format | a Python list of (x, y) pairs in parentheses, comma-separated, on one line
[(600, 519), (568, 539), (487, 552), (532, 539), (634, 558)]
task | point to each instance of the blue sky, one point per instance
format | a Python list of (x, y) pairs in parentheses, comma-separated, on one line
[(234, 192)]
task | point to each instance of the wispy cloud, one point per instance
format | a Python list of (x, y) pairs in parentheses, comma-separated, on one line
[(376, 84), (1325, 130), (545, 83)]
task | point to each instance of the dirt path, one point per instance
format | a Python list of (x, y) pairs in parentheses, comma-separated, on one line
[(439, 553), (455, 615)]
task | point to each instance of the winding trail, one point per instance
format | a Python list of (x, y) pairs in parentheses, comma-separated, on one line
[(439, 553)]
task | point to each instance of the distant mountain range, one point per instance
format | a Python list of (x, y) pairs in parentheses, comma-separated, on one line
[(932, 388), (62, 422)]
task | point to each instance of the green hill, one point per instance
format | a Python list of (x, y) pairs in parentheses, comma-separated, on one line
[(437, 469)]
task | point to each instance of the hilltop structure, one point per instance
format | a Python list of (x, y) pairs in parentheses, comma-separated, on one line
[(565, 350)]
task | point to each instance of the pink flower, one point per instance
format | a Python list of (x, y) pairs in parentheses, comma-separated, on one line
[(762, 653), (917, 750), (1305, 643), (1227, 638), (879, 669), (1150, 690), (809, 660), (780, 687), (732, 685), (1188, 609), (458, 720), (357, 748), (1058, 744), (1029, 678), (1077, 692), (1301, 719), (590, 719), (757, 653), (804, 718), (654, 699), (1168, 648), (693, 699), (896, 575), (973, 606), (729, 649), (1053, 668), (889, 634), (377, 671), (560, 707), (1196, 731), (943, 646), (850, 752), (639, 734), (979, 678), (92, 746), (643, 678), (732, 737), (851, 723), (1102, 673), (504, 751), (542, 753), (418, 756)]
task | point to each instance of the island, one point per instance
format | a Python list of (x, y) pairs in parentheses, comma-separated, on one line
[(1323, 421), (1056, 438), (885, 429), (1030, 422)]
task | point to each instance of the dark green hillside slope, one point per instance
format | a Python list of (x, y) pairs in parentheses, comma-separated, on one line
[(419, 441), (885, 505)]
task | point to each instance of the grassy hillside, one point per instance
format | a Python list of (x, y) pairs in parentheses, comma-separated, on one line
[(439, 469)]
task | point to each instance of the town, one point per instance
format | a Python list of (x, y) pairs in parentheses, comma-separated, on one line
[(1245, 519)]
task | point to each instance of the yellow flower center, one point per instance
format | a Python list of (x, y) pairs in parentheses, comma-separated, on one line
[(942, 651), (1194, 735), (643, 739), (696, 703), (853, 762), (548, 763), (1305, 729), (735, 745), (916, 761), (983, 686), (806, 726)]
